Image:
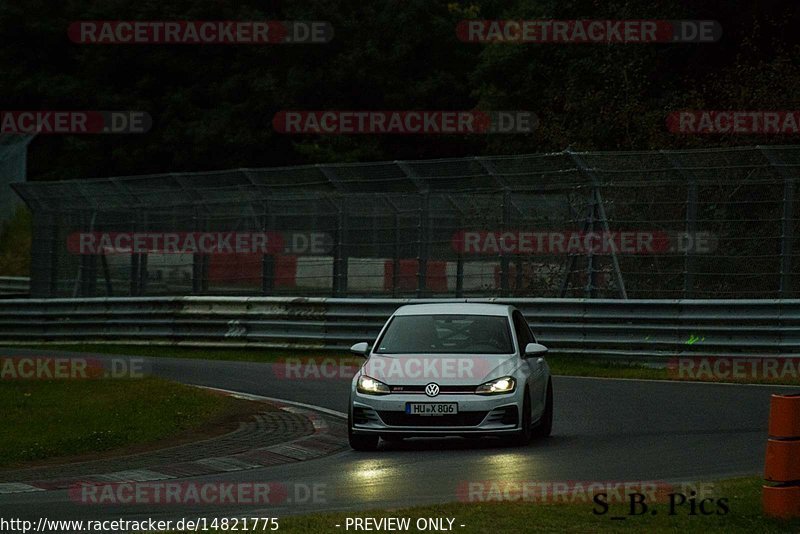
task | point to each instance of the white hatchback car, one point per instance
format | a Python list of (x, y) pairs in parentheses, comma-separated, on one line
[(455, 369)]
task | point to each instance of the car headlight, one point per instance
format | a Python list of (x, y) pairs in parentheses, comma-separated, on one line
[(501, 385), (370, 386)]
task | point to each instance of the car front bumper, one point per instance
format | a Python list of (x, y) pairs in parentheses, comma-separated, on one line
[(478, 415)]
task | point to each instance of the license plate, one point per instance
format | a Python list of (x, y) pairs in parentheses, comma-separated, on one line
[(431, 408)]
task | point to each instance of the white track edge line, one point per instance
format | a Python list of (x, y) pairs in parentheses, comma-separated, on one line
[(284, 401)]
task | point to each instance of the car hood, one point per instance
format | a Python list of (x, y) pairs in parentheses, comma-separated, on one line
[(448, 369)]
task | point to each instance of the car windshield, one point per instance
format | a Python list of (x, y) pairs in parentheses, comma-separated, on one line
[(446, 334)]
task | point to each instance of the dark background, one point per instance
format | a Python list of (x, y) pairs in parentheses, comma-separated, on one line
[(212, 105)]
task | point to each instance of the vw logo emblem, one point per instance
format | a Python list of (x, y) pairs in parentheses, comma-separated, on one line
[(432, 389)]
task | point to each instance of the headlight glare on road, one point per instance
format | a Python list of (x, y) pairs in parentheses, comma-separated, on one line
[(370, 386), (501, 385)]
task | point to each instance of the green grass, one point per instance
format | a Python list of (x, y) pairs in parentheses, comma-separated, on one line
[(587, 366), (50, 419), (744, 499), (559, 364), (583, 366)]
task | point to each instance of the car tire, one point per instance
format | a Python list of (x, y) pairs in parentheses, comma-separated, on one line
[(545, 426), (360, 442), (525, 433)]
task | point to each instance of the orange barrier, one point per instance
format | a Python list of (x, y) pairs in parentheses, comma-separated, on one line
[(782, 501), (783, 458), (784, 417)]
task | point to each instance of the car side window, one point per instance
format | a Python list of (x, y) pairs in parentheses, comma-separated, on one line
[(531, 337), (523, 332)]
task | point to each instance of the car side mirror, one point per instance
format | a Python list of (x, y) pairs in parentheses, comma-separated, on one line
[(360, 348), (535, 349)]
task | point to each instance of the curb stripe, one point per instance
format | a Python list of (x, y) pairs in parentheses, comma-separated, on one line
[(318, 444), (17, 488)]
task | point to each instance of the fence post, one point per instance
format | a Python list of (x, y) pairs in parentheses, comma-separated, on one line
[(197, 263), (84, 287), (424, 244), (340, 252), (268, 258), (396, 254), (459, 252), (505, 260), (597, 203), (689, 260), (787, 236), (423, 232), (396, 230), (588, 291), (787, 220)]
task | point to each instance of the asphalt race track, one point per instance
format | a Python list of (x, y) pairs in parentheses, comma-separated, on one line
[(604, 430)]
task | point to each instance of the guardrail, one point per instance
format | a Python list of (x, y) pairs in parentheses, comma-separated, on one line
[(608, 328), (14, 285)]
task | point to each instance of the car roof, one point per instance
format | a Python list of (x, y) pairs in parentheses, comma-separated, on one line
[(455, 308)]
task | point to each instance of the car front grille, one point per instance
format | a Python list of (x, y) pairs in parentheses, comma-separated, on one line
[(459, 419), (443, 390)]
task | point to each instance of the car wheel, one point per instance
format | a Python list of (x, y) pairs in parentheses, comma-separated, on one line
[(360, 442), (525, 433), (545, 426)]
